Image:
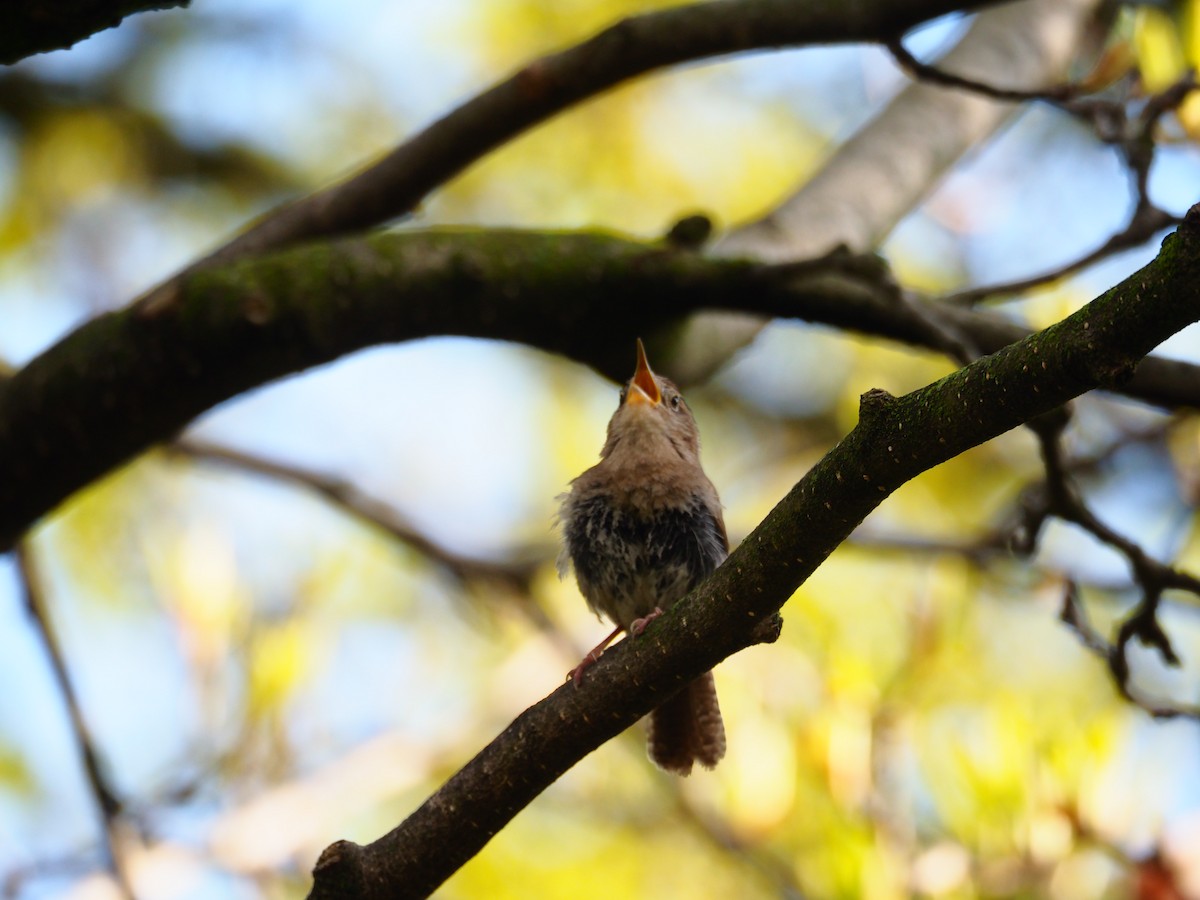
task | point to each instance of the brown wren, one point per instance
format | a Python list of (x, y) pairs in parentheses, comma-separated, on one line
[(642, 528)]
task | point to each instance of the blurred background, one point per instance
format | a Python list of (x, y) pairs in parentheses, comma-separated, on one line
[(291, 626)]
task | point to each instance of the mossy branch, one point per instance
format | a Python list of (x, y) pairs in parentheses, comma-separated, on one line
[(130, 379)]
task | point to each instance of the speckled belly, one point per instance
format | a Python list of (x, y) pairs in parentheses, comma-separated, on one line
[(628, 563)]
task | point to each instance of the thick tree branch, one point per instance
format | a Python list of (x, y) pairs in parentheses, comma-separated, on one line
[(34, 26), (396, 184), (130, 379), (895, 440)]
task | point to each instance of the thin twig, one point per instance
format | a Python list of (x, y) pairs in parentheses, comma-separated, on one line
[(932, 74), (1060, 499), (1139, 147), (1110, 119), (516, 574), (1074, 615), (107, 801), (1142, 226), (1134, 139)]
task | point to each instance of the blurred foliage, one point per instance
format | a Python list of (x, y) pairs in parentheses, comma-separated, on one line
[(264, 674), (1166, 44)]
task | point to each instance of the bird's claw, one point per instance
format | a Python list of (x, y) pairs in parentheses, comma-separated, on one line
[(575, 676), (637, 626)]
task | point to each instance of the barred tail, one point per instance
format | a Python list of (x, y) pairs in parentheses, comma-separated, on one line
[(688, 728)]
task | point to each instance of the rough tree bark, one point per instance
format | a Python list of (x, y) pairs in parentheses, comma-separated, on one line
[(35, 26)]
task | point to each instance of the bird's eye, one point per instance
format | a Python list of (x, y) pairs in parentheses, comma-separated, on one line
[(624, 391), (675, 401)]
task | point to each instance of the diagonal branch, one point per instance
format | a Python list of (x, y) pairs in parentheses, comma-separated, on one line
[(895, 440), (107, 802)]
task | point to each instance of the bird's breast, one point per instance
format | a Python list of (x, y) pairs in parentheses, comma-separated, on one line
[(630, 558)]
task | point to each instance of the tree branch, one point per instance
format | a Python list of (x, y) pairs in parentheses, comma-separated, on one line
[(881, 173), (1143, 224), (895, 440), (133, 378), (890, 165), (34, 26), (515, 574), (1074, 616), (1058, 497), (1135, 139), (934, 75), (396, 184), (107, 803)]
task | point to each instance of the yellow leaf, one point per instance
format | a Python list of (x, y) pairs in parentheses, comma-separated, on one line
[(279, 663), (1190, 29), (1158, 48), (1189, 116), (77, 157), (14, 773)]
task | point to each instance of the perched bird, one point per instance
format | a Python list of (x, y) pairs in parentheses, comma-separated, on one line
[(642, 528)]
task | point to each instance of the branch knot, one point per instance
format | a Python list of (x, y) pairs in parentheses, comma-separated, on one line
[(874, 403)]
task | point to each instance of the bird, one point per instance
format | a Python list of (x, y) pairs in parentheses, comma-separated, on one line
[(641, 529)]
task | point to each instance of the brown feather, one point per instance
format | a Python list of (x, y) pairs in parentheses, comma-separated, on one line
[(688, 728)]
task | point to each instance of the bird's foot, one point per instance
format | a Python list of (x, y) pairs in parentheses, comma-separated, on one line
[(637, 626), (576, 674)]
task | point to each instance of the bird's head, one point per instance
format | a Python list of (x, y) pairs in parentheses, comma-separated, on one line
[(652, 417)]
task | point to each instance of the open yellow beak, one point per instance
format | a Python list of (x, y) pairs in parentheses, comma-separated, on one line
[(643, 388)]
